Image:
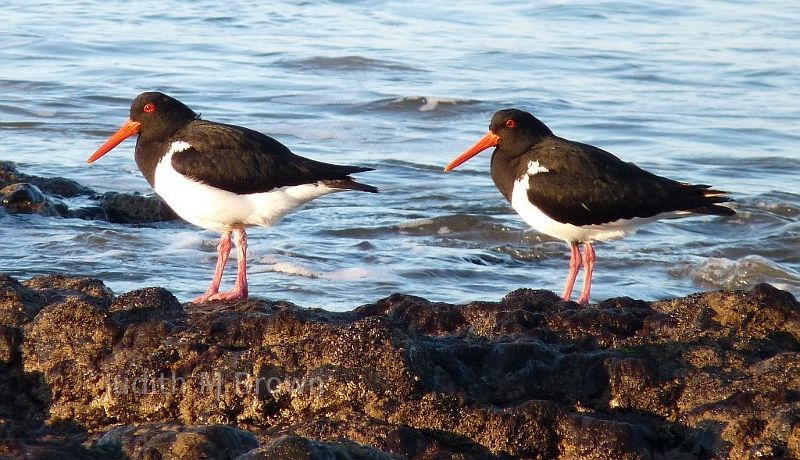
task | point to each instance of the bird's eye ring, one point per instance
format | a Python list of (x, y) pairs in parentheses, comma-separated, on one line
[(149, 107), (511, 123)]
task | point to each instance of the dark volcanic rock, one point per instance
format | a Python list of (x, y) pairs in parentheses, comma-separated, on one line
[(49, 449), (59, 186), (133, 208), (176, 442), (712, 375), (146, 304), (299, 448), (18, 304), (25, 194), (23, 198), (56, 288)]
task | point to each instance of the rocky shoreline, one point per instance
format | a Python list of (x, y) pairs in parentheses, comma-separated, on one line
[(88, 374), (22, 193)]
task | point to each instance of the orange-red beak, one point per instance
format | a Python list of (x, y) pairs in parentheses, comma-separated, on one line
[(489, 140), (127, 130)]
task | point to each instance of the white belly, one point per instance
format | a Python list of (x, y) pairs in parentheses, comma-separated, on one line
[(541, 222), (216, 209)]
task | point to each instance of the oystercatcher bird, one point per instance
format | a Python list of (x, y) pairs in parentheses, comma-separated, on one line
[(223, 177), (580, 193)]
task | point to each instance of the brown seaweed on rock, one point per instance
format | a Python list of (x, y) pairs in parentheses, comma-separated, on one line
[(85, 374)]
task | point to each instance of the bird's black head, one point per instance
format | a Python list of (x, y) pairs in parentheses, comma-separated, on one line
[(154, 116), (512, 131), (160, 115), (517, 129)]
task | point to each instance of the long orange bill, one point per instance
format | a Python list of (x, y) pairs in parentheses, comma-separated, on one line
[(489, 140), (127, 130)]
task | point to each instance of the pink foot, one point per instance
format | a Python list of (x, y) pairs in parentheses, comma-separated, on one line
[(574, 267), (239, 290), (233, 294), (588, 270), (223, 249), (203, 298)]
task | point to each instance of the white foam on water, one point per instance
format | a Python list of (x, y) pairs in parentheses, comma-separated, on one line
[(349, 274), (432, 102), (184, 240), (289, 268), (413, 223), (295, 269), (738, 273)]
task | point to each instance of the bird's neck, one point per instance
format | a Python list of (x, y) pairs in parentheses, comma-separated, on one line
[(147, 156), (506, 169)]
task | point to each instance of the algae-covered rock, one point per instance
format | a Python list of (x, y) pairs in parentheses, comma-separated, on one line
[(712, 375)]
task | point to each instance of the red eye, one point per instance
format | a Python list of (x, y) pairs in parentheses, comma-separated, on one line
[(149, 107), (511, 123)]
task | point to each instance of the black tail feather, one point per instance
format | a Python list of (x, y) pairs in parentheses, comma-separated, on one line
[(358, 169), (716, 210), (350, 184), (713, 198)]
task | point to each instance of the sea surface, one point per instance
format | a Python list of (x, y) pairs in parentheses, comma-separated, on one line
[(704, 92)]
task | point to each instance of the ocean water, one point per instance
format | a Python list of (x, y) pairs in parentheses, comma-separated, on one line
[(705, 93)]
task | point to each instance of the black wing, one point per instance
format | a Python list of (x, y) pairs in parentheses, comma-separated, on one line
[(588, 185), (241, 160)]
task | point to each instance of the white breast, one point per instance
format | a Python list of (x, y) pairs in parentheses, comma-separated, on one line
[(541, 222), (213, 208)]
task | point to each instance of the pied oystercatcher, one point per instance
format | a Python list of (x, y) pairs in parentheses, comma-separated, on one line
[(223, 177), (578, 192)]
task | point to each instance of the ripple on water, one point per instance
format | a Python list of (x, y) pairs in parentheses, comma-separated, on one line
[(345, 64), (724, 273), (406, 91), (419, 104), (474, 228), (271, 264)]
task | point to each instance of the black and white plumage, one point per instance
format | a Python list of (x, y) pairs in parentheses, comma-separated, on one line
[(223, 177), (578, 192)]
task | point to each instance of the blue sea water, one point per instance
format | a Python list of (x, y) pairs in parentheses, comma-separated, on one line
[(705, 93)]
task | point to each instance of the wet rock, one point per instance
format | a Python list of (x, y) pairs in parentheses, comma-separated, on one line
[(8, 173), (146, 304), (125, 208), (23, 193), (18, 303), (48, 449), (714, 374), (61, 187), (24, 198), (88, 213), (10, 340), (299, 448), (55, 288), (24, 396), (58, 186), (133, 208), (592, 438), (64, 343), (162, 440)]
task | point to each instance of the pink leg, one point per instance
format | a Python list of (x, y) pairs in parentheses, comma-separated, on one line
[(223, 250), (574, 267), (588, 269), (239, 290)]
